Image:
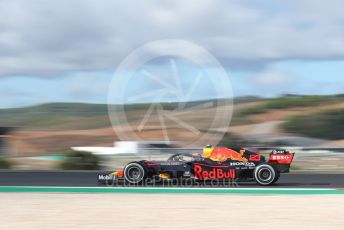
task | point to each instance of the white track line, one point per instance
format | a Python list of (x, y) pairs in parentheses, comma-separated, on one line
[(178, 188)]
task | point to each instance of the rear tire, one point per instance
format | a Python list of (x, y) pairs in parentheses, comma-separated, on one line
[(277, 177), (134, 173), (265, 175)]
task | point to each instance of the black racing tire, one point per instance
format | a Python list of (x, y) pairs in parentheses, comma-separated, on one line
[(277, 177), (134, 173), (265, 175)]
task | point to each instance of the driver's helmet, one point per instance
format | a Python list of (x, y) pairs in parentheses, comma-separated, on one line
[(207, 151)]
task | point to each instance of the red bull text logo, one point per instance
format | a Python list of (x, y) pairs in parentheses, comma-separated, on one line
[(213, 173)]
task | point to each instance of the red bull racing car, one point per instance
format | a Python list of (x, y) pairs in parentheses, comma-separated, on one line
[(215, 164)]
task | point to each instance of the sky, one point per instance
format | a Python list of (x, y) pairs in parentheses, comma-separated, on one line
[(68, 51)]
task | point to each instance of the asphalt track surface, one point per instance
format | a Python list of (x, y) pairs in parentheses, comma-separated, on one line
[(89, 179)]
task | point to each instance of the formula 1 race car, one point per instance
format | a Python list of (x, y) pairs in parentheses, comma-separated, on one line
[(219, 164)]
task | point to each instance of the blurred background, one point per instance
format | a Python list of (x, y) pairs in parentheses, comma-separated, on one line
[(285, 62)]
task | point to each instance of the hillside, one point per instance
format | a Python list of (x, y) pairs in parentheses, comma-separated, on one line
[(51, 128), (72, 116), (327, 125), (56, 116), (292, 101), (296, 110)]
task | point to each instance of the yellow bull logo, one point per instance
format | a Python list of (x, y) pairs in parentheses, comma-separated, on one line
[(223, 154)]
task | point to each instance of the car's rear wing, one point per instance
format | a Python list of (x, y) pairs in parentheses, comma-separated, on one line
[(281, 160)]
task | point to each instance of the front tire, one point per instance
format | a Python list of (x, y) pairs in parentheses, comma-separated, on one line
[(134, 173), (265, 175)]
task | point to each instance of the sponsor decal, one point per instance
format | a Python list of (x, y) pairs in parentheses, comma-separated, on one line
[(106, 177), (255, 157), (223, 154), (171, 163), (246, 164), (213, 172), (187, 173), (161, 163), (147, 163), (279, 151), (281, 158)]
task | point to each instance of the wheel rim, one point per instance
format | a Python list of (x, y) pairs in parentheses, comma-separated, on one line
[(265, 175), (134, 173)]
